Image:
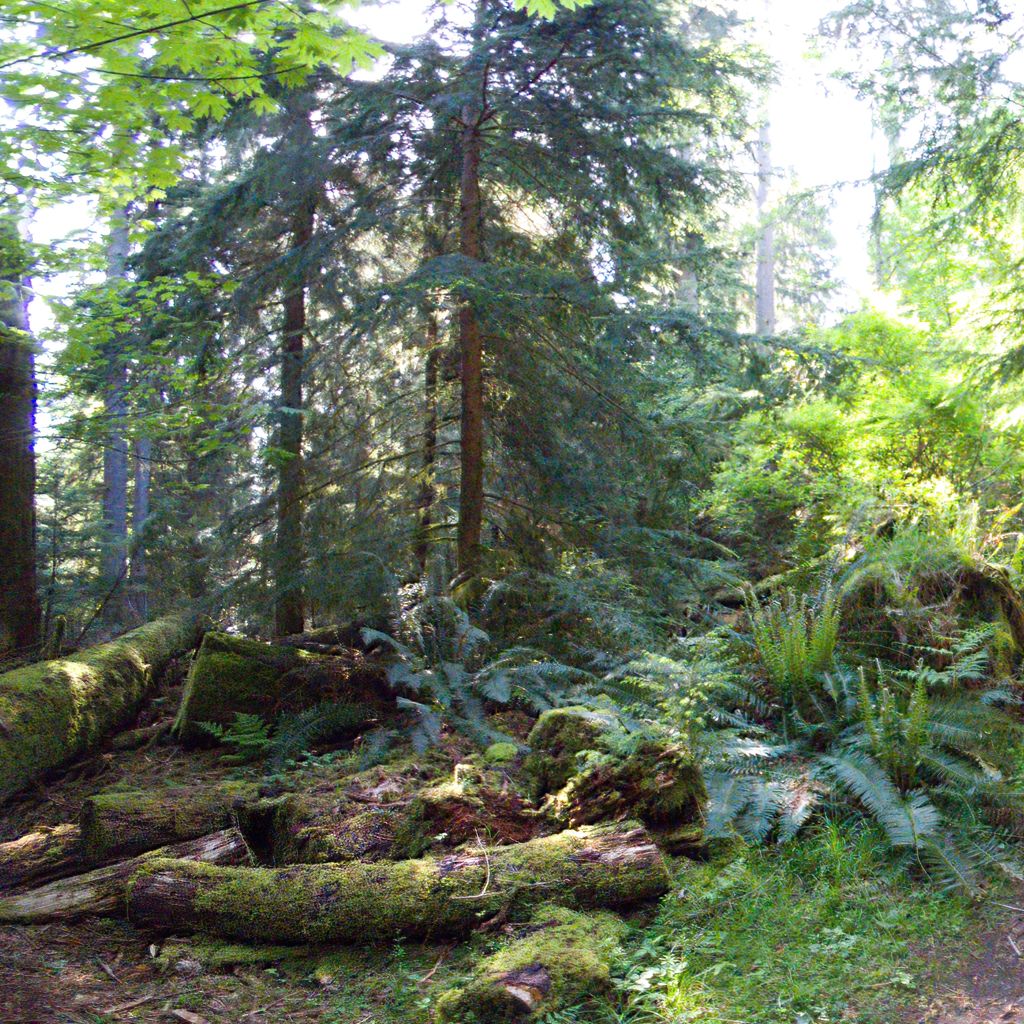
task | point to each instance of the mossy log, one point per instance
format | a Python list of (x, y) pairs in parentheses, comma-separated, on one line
[(614, 866), (233, 675), (558, 959), (120, 823), (102, 892), (53, 711), (558, 736), (46, 853)]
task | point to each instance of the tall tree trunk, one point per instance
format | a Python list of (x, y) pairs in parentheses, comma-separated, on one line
[(19, 600), (471, 450), (143, 455), (428, 489), (765, 291), (114, 565), (289, 610)]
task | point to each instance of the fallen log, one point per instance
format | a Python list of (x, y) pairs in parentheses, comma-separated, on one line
[(232, 675), (556, 960), (120, 823), (40, 855), (102, 892), (613, 866), (52, 711)]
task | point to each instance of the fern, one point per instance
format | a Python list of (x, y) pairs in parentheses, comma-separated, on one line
[(248, 734)]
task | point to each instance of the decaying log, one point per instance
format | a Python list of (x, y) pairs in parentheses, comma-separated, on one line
[(232, 675), (120, 823), (53, 711), (46, 853), (145, 737), (556, 960), (102, 892), (613, 866)]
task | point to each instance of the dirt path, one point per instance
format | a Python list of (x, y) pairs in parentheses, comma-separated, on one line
[(989, 987)]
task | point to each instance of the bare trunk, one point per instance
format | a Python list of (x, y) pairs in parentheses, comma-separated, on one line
[(289, 610), (19, 600), (428, 489), (765, 292), (113, 563), (471, 452), (143, 452)]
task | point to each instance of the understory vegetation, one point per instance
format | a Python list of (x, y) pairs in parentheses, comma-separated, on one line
[(450, 499)]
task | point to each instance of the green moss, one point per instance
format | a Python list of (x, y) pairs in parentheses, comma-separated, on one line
[(501, 753), (563, 958), (556, 739), (361, 902), (232, 675), (119, 822), (658, 782), (219, 955), (53, 711)]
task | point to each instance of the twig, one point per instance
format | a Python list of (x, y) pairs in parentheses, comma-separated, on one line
[(109, 972), (440, 960), (1016, 948), (124, 1007)]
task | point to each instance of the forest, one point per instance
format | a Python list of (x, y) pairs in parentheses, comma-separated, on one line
[(511, 510)]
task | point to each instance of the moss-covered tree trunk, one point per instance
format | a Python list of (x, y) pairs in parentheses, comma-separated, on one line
[(102, 892), (53, 711), (615, 866)]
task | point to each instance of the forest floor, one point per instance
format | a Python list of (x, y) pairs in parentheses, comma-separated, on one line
[(821, 931)]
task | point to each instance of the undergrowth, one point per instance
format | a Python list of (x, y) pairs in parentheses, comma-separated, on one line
[(821, 930)]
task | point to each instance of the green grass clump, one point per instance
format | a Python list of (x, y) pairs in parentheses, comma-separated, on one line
[(817, 932)]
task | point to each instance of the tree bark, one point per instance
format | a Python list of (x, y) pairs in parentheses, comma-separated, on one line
[(289, 610), (765, 291), (102, 892), (616, 866), (428, 488), (19, 599), (471, 450), (143, 456), (41, 855), (113, 561)]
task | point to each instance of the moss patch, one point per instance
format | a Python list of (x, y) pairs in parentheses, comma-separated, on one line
[(560, 957), (555, 741)]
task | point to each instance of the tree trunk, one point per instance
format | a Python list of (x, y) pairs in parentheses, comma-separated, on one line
[(102, 892), (615, 866), (765, 292), (19, 600), (471, 451), (114, 565), (143, 452), (52, 711), (41, 855), (428, 489), (289, 611)]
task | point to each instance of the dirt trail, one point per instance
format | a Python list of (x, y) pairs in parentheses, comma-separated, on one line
[(989, 987)]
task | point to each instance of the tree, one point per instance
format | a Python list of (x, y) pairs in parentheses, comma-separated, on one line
[(19, 601)]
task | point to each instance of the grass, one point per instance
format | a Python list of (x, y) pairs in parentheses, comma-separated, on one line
[(819, 931)]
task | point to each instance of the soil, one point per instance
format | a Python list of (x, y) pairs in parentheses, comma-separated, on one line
[(988, 987)]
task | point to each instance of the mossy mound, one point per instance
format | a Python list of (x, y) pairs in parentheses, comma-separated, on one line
[(53, 711), (657, 782), (558, 959), (233, 675), (556, 739)]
